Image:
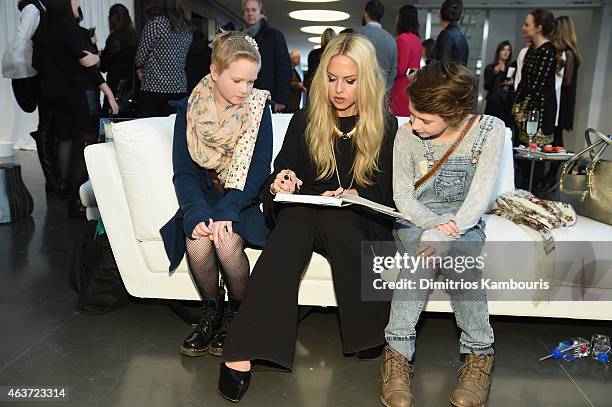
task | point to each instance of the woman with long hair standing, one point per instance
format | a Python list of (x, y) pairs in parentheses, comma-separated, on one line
[(564, 39), (341, 143), (409, 53), (70, 86), (537, 88), (117, 57), (161, 58), (500, 93)]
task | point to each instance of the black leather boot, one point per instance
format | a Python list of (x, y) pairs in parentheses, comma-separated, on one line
[(198, 342), (47, 155), (216, 346), (233, 383)]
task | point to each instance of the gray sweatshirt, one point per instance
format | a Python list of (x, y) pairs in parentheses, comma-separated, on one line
[(410, 164)]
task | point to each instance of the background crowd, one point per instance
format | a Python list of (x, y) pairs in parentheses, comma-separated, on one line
[(146, 71)]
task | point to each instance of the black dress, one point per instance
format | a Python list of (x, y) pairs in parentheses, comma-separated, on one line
[(117, 59), (537, 91), (499, 97), (568, 96), (65, 82), (266, 325)]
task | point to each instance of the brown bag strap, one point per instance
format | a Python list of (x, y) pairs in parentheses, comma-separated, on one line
[(447, 154)]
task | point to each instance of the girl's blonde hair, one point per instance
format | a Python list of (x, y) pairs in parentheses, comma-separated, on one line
[(229, 46), (370, 104)]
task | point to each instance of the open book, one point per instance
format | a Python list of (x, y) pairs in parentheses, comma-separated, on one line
[(338, 201)]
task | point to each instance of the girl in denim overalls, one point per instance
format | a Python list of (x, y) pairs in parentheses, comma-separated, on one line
[(444, 210)]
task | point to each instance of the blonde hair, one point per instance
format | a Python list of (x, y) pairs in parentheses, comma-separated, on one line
[(564, 36), (326, 36), (370, 105), (229, 46)]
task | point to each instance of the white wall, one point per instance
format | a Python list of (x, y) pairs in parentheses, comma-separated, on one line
[(16, 125)]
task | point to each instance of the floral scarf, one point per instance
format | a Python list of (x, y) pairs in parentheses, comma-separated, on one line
[(224, 147), (537, 217)]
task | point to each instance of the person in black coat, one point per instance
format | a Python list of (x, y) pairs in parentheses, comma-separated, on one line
[(198, 57), (275, 73), (117, 58), (330, 148), (500, 92), (70, 83), (451, 44)]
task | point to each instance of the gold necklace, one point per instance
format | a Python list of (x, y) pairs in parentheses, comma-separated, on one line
[(336, 167), (344, 135)]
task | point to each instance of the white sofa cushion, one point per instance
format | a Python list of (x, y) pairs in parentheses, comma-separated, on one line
[(144, 155)]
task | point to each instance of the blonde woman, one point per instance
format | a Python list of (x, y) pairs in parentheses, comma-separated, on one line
[(341, 143), (221, 156)]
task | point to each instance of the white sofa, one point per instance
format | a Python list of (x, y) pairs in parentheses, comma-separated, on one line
[(132, 181)]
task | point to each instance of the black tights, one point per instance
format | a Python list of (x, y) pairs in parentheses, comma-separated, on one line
[(202, 256), (71, 159)]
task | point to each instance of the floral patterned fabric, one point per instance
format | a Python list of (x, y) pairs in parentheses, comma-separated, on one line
[(225, 147), (523, 208), (537, 217)]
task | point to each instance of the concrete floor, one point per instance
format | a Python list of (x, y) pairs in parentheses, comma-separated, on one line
[(130, 357)]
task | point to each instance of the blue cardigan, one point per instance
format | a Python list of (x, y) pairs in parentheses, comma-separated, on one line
[(199, 201)]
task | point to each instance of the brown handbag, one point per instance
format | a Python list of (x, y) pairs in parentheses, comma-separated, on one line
[(590, 193)]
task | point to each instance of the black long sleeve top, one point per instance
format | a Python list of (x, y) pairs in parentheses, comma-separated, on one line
[(294, 155), (63, 47), (117, 59), (536, 90)]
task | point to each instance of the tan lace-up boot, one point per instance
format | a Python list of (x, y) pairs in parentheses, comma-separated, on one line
[(395, 374), (474, 382)]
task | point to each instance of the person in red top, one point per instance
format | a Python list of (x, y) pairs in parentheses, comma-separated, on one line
[(409, 52)]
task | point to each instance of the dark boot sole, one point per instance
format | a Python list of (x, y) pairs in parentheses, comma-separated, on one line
[(457, 405), (215, 351), (227, 398), (193, 353)]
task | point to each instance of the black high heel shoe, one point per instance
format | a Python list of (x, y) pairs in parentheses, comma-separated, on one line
[(233, 383)]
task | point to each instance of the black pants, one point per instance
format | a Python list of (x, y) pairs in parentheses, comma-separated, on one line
[(266, 326), (153, 104)]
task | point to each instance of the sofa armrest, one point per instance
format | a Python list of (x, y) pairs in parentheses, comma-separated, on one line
[(110, 196)]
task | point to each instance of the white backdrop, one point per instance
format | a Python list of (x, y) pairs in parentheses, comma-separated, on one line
[(15, 125)]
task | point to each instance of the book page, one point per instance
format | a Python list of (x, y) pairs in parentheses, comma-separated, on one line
[(308, 199), (355, 199)]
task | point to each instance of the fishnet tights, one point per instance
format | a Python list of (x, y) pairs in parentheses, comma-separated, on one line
[(202, 256)]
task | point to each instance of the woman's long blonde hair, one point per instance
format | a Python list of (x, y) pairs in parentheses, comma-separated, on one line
[(322, 117), (564, 35)]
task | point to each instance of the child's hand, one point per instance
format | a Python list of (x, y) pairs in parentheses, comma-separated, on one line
[(449, 229)]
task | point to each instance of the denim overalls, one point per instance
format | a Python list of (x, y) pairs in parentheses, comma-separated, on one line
[(444, 193)]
